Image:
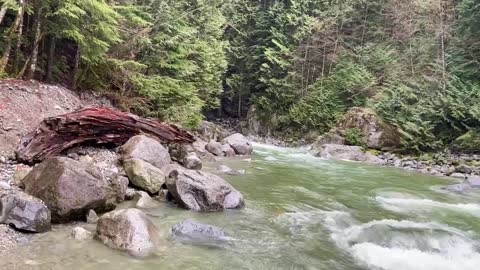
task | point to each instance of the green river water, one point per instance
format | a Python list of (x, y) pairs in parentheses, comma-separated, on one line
[(301, 213)]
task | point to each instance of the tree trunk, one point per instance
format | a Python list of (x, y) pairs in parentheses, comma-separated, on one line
[(76, 65), (100, 125), (19, 43), (50, 58), (3, 11), (13, 28), (36, 42)]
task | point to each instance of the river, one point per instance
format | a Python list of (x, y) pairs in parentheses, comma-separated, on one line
[(302, 213)]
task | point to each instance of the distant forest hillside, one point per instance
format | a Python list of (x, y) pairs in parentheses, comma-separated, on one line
[(298, 66)]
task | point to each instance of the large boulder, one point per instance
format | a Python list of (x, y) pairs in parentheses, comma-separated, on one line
[(146, 149), (144, 175), (239, 143), (375, 132), (201, 191), (129, 230), (228, 150), (215, 148), (191, 232), (69, 188), (345, 152), (23, 211)]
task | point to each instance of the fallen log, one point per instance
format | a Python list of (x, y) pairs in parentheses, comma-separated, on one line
[(100, 125)]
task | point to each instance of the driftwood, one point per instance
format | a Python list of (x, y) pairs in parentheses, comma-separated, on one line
[(100, 125)]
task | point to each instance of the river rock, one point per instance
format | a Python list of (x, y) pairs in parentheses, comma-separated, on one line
[(215, 148), (462, 168), (92, 217), (146, 149), (191, 161), (79, 233), (23, 211), (191, 232), (228, 150), (129, 230), (345, 152), (239, 143), (144, 200), (119, 186), (69, 188), (201, 191), (144, 175)]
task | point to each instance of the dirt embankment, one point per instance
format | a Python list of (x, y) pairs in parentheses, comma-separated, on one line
[(24, 104)]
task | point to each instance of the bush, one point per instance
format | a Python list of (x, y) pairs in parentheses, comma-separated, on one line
[(354, 136)]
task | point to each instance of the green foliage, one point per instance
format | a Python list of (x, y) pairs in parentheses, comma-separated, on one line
[(320, 109), (354, 136), (468, 141)]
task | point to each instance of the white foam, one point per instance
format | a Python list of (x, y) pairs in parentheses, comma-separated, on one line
[(413, 259), (270, 158), (406, 205), (407, 245)]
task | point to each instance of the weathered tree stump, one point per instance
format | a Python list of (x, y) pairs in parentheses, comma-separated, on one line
[(100, 125)]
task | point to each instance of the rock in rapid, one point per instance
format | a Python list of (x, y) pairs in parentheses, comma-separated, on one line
[(129, 230), (191, 232), (201, 191), (345, 152), (239, 143)]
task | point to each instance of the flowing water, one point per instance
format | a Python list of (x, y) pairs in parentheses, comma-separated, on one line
[(302, 213)]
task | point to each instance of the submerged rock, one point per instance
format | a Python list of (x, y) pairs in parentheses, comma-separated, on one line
[(144, 200), (144, 175), (191, 232), (79, 233), (345, 152), (239, 143), (146, 149), (129, 230), (23, 211), (69, 188), (200, 191)]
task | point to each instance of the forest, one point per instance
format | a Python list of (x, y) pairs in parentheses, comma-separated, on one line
[(298, 65)]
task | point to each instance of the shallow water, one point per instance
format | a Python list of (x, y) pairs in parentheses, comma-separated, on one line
[(302, 213)]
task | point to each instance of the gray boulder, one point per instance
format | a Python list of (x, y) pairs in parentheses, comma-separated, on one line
[(239, 143), (215, 148), (200, 191), (191, 161), (144, 175), (228, 150), (129, 230), (69, 189), (23, 211), (191, 232), (146, 149), (462, 168), (345, 152)]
